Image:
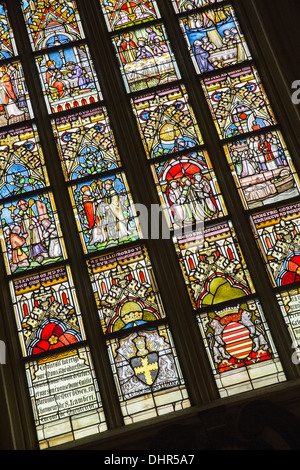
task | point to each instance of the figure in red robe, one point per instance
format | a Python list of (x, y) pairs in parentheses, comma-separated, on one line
[(17, 241), (8, 98), (54, 78), (88, 203), (127, 49)]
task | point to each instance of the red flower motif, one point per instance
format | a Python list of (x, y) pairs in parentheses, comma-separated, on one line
[(52, 336)]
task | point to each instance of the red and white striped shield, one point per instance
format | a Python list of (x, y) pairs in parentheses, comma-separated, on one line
[(237, 339)]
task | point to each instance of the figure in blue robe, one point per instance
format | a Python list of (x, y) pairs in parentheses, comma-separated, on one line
[(202, 58)]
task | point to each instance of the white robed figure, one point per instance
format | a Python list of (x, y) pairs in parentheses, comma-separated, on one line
[(114, 210), (200, 198), (177, 199)]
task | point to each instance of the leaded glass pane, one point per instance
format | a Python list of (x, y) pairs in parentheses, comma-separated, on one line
[(125, 290), (240, 348), (61, 378), (46, 311), (289, 302), (147, 374), (188, 189), (213, 266), (22, 166), (15, 105), (7, 42), (166, 122), (65, 397), (104, 212), (145, 58), (187, 5), (30, 233), (262, 170), (85, 143), (121, 13), (214, 39), (238, 102), (51, 23), (68, 78), (278, 236)]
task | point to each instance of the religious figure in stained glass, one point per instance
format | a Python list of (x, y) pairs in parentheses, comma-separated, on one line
[(30, 235), (188, 189), (22, 166), (144, 362), (166, 122), (187, 5), (145, 58), (240, 347), (68, 78), (46, 311), (104, 212), (213, 265), (86, 143), (63, 389), (278, 236), (51, 23), (124, 290), (263, 170), (122, 13), (214, 39), (7, 41), (14, 99), (238, 102)]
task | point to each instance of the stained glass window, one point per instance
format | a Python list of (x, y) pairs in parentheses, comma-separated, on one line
[(52, 24), (166, 122), (187, 5), (68, 78), (277, 234), (147, 374), (30, 233), (213, 266), (46, 311), (99, 307), (22, 162), (105, 212), (238, 102), (7, 40), (145, 57), (262, 169), (125, 289), (211, 258), (65, 397), (119, 14), (214, 39), (290, 305), (86, 143), (188, 189), (126, 295), (240, 348), (144, 360), (15, 105)]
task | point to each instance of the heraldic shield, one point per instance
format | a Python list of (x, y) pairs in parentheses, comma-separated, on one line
[(146, 367)]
